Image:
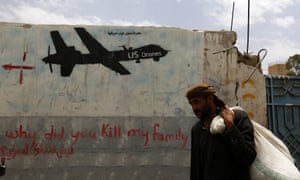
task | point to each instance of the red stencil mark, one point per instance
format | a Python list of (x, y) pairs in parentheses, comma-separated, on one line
[(11, 67)]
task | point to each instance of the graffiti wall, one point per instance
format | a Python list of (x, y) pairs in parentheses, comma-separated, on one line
[(108, 102)]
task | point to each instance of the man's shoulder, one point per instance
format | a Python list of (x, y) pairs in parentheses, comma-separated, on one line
[(239, 110), (240, 116)]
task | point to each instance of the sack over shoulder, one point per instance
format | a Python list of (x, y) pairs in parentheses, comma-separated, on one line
[(273, 160)]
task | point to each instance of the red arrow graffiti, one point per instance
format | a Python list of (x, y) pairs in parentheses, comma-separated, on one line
[(11, 67)]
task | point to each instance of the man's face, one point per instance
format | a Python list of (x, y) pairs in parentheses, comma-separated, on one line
[(200, 107)]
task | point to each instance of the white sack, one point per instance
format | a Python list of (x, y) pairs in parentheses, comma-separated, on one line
[(217, 125), (273, 160)]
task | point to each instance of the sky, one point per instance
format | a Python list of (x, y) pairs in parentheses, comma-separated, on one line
[(274, 24)]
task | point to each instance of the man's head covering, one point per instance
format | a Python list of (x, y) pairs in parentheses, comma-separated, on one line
[(204, 89)]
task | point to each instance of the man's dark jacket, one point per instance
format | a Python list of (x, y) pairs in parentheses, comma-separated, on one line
[(226, 156)]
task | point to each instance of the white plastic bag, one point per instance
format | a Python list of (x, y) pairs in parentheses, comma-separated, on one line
[(273, 160)]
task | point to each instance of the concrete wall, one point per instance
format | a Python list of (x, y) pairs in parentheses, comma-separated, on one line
[(97, 121)]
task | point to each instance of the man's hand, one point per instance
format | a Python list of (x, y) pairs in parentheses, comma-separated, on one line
[(228, 116)]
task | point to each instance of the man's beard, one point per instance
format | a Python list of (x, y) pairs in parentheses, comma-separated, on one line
[(205, 113)]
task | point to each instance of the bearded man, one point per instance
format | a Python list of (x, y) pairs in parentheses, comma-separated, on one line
[(225, 156)]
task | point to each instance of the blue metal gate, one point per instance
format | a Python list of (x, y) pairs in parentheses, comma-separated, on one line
[(283, 110)]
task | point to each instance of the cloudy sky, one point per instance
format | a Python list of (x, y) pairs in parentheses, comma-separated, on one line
[(275, 24)]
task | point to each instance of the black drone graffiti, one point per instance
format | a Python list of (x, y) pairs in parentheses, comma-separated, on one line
[(67, 56)]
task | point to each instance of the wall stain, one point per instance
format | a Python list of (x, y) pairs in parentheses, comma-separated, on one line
[(248, 96)]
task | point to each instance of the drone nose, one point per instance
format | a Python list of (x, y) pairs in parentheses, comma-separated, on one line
[(45, 60)]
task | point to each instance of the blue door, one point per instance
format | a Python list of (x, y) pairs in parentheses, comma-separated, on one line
[(283, 111)]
